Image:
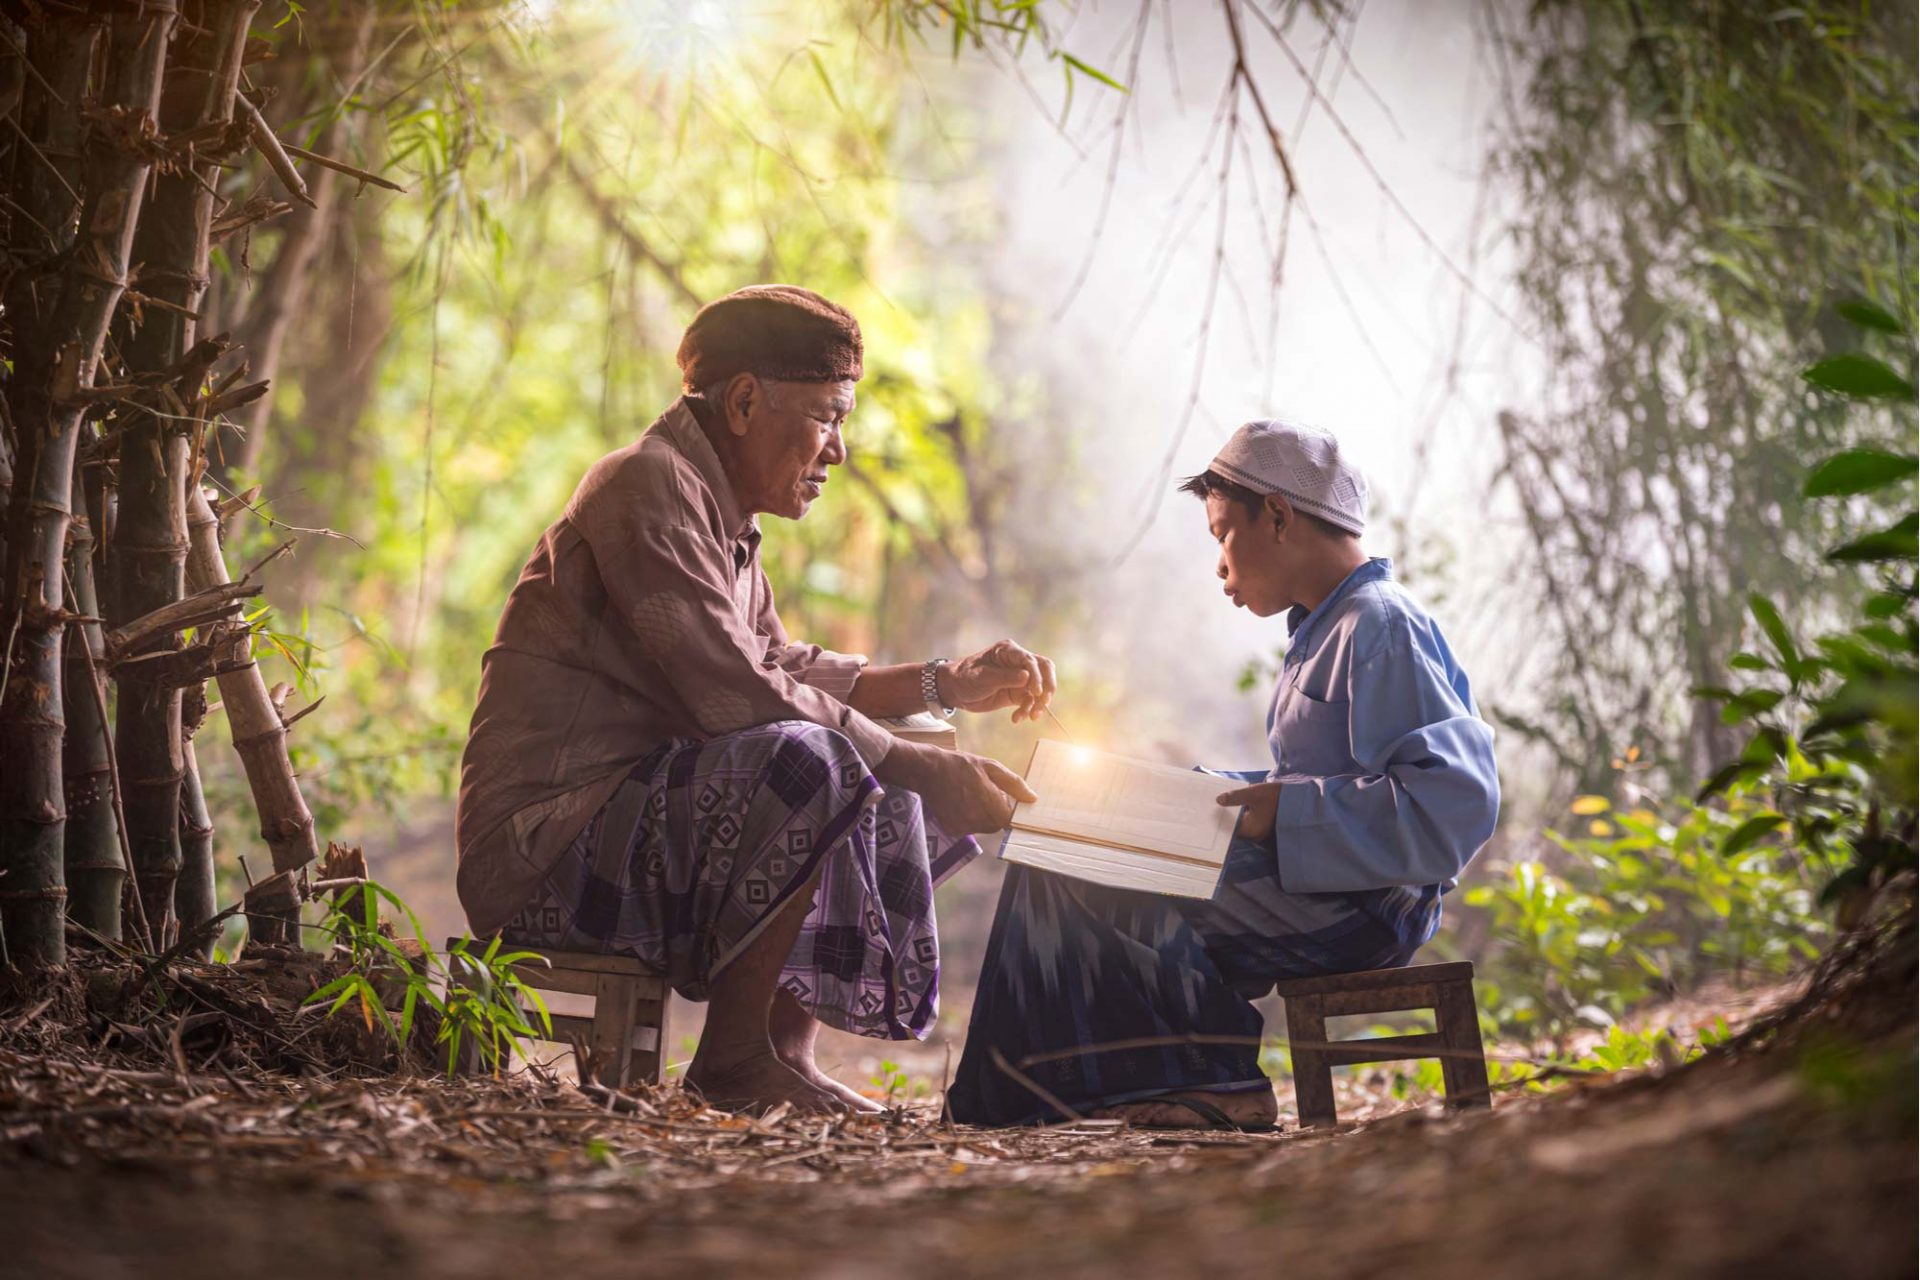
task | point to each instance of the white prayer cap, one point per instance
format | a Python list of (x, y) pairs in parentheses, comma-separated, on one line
[(1300, 462)]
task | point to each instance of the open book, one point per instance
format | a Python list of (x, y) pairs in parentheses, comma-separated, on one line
[(1122, 822)]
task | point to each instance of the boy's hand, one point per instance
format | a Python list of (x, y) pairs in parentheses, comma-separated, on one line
[(1261, 801)]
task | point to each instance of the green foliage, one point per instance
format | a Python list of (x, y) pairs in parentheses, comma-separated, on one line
[(1833, 725), (1711, 199), (475, 995), (1650, 900)]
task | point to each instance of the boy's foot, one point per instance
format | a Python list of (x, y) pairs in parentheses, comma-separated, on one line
[(759, 1084), (1249, 1110)]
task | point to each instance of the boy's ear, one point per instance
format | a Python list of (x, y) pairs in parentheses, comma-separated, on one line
[(1280, 512)]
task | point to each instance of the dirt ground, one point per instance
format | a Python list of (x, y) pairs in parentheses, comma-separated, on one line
[(1791, 1153)]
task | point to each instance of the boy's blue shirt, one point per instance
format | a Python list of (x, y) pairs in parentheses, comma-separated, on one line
[(1387, 769)]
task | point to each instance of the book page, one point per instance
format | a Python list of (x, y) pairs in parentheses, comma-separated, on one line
[(1108, 799), (1103, 864)]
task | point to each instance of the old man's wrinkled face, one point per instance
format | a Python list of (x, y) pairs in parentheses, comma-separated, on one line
[(787, 436)]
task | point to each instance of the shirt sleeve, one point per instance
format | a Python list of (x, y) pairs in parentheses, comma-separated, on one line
[(673, 590), (831, 673), (1426, 795)]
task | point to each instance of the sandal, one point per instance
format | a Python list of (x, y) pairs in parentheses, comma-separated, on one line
[(1215, 1117)]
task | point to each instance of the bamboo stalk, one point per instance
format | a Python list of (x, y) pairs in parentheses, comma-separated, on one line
[(150, 546), (196, 896), (259, 736), (96, 875), (32, 804)]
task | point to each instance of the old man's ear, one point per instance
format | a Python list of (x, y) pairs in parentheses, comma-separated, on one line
[(743, 391)]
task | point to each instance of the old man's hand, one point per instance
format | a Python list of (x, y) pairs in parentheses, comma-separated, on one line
[(1000, 675), (966, 794)]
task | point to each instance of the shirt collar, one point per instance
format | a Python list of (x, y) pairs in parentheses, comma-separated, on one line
[(685, 433), (1302, 622)]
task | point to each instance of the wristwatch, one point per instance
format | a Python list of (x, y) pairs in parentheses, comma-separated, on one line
[(930, 688)]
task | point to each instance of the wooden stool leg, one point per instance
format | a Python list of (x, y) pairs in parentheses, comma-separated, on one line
[(650, 1017), (1312, 1068), (1464, 1069), (612, 1036)]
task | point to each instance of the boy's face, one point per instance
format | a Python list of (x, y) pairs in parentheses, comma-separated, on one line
[(1255, 565)]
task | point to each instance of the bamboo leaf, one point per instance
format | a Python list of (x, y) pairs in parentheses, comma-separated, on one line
[(1768, 616), (1860, 471), (1093, 72), (1900, 542), (1750, 832), (1859, 376), (1870, 315)]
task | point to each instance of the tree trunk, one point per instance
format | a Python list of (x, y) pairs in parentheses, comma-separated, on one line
[(150, 545), (47, 420), (96, 876), (197, 895), (282, 293)]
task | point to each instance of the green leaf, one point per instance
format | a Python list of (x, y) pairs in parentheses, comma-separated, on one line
[(826, 81), (1749, 662), (1900, 542), (1770, 622), (1094, 72), (1870, 315), (1860, 376), (1727, 775), (1752, 703), (1887, 604), (1860, 471), (1751, 832)]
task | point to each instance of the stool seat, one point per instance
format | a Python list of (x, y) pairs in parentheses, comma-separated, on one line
[(1447, 989), (626, 1035)]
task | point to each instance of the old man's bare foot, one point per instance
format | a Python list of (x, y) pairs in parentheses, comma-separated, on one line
[(758, 1084), (821, 1080)]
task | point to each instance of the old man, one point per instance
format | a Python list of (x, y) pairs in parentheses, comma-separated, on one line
[(656, 768)]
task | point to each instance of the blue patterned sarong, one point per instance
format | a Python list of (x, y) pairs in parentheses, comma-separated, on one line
[(705, 841), (1073, 965)]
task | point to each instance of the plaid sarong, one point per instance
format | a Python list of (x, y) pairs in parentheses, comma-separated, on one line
[(705, 841)]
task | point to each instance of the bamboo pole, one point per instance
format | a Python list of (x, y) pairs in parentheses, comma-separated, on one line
[(96, 876), (259, 736), (196, 896), (44, 215), (150, 544), (47, 418)]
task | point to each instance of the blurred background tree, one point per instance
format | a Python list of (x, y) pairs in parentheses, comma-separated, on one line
[(1700, 189)]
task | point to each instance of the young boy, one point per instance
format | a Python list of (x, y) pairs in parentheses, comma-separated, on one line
[(1383, 788)]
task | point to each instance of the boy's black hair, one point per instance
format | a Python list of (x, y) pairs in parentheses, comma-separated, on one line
[(1209, 483)]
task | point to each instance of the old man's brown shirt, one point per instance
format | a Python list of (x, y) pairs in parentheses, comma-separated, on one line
[(642, 616)]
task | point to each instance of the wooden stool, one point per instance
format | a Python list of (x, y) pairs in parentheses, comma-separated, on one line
[(1447, 989), (626, 1034)]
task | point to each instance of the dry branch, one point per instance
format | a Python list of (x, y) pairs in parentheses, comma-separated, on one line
[(341, 166), (273, 152)]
